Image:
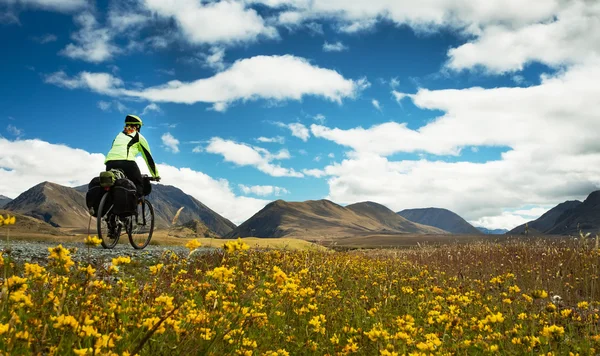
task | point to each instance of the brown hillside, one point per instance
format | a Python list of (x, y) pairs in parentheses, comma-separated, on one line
[(28, 224), (392, 220), (319, 219), (54, 204)]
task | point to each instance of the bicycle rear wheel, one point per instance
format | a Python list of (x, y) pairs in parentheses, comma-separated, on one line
[(141, 225), (106, 223)]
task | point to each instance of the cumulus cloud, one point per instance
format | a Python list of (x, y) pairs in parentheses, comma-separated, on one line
[(263, 190), (151, 107), (15, 131), (245, 155), (334, 47), (222, 22), (26, 163), (376, 104), (551, 152), (320, 118), (276, 78), (297, 130), (171, 143), (276, 139), (93, 43), (573, 37), (215, 60), (317, 173)]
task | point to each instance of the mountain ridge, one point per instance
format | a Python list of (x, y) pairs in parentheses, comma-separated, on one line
[(440, 218), (320, 219)]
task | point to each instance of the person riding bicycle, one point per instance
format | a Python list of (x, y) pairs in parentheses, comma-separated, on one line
[(125, 147)]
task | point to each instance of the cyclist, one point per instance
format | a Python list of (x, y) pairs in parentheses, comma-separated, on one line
[(125, 147)]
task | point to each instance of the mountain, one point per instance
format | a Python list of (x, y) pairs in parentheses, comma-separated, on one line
[(318, 219), (192, 229), (167, 200), (440, 218), (491, 231), (548, 220), (28, 224), (63, 206), (584, 216), (54, 204), (391, 220), (4, 200)]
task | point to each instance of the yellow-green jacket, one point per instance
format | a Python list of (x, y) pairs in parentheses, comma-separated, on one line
[(127, 147)]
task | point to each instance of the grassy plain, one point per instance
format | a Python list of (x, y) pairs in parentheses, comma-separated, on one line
[(514, 297)]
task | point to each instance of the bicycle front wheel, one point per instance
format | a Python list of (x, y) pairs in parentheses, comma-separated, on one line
[(106, 223), (141, 225)]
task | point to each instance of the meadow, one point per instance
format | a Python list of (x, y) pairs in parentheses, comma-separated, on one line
[(535, 297)]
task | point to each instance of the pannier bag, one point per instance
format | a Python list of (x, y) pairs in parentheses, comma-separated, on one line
[(94, 195), (108, 178), (147, 186), (124, 197)]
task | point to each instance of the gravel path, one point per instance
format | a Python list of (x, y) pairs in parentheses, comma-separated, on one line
[(34, 252)]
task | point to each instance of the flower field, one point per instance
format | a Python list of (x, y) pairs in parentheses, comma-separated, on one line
[(511, 298)]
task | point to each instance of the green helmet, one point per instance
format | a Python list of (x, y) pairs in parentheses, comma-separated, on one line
[(134, 120)]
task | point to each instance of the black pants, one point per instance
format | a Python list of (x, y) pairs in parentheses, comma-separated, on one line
[(132, 171)]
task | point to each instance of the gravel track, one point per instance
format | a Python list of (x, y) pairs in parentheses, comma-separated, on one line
[(37, 252)]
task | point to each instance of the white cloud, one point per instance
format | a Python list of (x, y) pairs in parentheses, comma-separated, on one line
[(399, 96), (297, 129), (151, 107), (104, 105), (13, 130), (317, 173), (216, 59), (51, 5), (276, 78), (263, 190), (572, 38), (171, 143), (46, 38), (394, 83), (376, 104), (121, 107), (331, 155), (26, 163), (334, 47), (317, 158), (276, 139), (223, 22), (102, 83), (245, 155), (510, 219), (198, 149), (92, 42), (551, 152), (320, 118)]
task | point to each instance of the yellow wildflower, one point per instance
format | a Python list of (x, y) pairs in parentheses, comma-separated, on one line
[(92, 241), (193, 244), (121, 260)]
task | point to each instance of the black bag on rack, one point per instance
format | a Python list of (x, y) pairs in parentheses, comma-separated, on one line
[(94, 195), (124, 196)]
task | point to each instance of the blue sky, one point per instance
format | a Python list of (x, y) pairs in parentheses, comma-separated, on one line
[(487, 110)]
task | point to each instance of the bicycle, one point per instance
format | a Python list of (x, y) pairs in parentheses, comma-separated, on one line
[(138, 227)]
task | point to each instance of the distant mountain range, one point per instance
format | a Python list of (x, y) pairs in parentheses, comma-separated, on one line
[(492, 231), (440, 218), (320, 219), (545, 223), (4, 200), (62, 206)]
